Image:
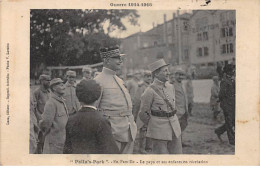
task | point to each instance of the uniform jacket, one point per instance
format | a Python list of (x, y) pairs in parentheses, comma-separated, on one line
[(53, 123), (141, 88), (180, 97), (132, 86), (40, 97), (214, 94), (116, 104), (71, 99), (89, 132), (189, 91), (227, 95), (161, 128)]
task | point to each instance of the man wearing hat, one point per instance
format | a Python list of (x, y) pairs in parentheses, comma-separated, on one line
[(54, 119), (227, 95), (87, 73), (144, 143), (158, 112), (70, 97), (132, 85), (115, 101), (181, 98), (39, 99)]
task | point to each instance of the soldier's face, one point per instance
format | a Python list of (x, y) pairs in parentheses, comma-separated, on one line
[(115, 63), (71, 79), (163, 74), (179, 77), (46, 83), (87, 75), (148, 79), (59, 89)]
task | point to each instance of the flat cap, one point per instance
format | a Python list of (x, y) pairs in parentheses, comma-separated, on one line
[(44, 77), (55, 81), (71, 73), (157, 64)]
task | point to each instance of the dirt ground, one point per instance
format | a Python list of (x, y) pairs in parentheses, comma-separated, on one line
[(199, 136)]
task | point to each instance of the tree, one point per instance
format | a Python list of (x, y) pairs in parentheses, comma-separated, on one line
[(73, 37)]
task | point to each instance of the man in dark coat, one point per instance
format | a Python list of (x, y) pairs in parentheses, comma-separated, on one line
[(88, 131), (227, 103)]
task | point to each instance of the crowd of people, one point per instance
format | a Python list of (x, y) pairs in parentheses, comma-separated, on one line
[(103, 114)]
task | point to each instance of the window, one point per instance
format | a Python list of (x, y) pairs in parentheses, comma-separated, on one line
[(199, 52), (186, 54), (185, 26), (227, 48), (225, 32), (199, 38), (205, 36), (206, 51)]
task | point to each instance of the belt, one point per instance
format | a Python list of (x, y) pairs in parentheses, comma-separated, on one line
[(163, 114), (117, 113)]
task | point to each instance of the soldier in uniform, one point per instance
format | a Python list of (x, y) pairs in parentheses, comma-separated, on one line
[(158, 112), (132, 85), (227, 103), (39, 99), (214, 100), (144, 143), (181, 101), (70, 97), (54, 119), (115, 101)]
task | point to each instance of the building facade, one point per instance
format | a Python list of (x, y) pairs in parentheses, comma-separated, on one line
[(201, 38)]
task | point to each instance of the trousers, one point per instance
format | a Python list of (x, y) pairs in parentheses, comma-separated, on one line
[(167, 147)]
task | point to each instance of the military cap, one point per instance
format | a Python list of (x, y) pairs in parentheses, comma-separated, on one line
[(55, 81), (86, 69), (180, 71), (147, 73), (44, 77), (71, 73), (157, 64), (112, 52)]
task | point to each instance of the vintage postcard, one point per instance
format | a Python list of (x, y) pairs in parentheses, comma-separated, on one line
[(144, 83)]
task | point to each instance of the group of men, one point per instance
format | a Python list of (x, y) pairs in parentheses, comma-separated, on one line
[(154, 108)]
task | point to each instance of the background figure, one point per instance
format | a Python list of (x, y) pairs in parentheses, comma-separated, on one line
[(88, 131), (132, 85), (54, 119), (115, 101), (71, 100), (214, 100), (40, 96), (145, 144), (190, 95), (34, 131), (227, 103), (87, 73)]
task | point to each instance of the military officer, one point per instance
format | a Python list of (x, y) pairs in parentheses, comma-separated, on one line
[(115, 101), (158, 112), (70, 97), (54, 119)]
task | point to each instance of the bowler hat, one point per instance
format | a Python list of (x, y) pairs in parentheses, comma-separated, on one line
[(55, 81), (157, 64)]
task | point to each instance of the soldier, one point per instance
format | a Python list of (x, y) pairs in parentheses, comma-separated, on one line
[(144, 143), (54, 119), (87, 73), (158, 112), (214, 100), (39, 99), (132, 85), (190, 95), (70, 97), (180, 97), (115, 101), (227, 103)]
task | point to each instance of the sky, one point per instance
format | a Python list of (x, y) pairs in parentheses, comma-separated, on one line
[(146, 19)]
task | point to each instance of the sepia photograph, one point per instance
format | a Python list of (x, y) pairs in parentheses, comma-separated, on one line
[(132, 81)]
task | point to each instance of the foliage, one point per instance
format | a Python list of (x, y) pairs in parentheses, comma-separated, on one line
[(73, 37)]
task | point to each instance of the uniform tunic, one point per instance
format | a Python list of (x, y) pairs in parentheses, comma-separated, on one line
[(71, 100), (161, 128), (40, 97), (116, 104), (53, 123)]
